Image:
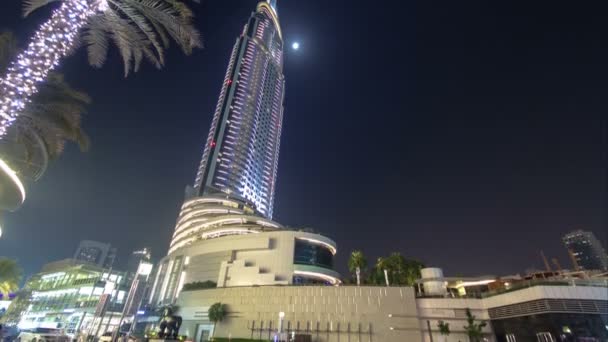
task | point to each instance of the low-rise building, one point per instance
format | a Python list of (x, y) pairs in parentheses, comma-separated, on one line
[(559, 308), (70, 295)]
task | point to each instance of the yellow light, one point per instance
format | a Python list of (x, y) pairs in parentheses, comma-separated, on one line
[(273, 14), (13, 176), (476, 283)]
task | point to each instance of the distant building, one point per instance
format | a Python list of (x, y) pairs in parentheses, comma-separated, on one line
[(137, 257), (96, 253), (586, 251)]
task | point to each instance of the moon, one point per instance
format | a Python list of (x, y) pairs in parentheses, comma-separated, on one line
[(295, 46)]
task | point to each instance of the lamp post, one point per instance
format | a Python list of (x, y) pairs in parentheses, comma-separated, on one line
[(144, 269), (280, 330)]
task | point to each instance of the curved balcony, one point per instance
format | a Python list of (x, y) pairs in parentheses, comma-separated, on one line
[(215, 216)]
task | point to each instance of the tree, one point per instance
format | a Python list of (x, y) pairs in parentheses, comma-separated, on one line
[(401, 271), (51, 119), (217, 313), (473, 330), (356, 264), (10, 275), (444, 329), (140, 28)]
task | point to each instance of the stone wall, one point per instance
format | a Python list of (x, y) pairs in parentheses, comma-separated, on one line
[(328, 314)]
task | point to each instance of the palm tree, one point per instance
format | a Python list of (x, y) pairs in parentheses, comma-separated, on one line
[(217, 313), (474, 330), (46, 124), (357, 263), (10, 275), (400, 270), (140, 28), (444, 329)]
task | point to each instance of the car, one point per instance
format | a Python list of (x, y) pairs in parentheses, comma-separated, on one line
[(9, 333), (43, 335)]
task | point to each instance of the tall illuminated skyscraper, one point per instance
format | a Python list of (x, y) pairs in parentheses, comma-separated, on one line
[(241, 154), (224, 234)]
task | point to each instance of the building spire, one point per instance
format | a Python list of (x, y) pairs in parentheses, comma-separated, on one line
[(273, 4)]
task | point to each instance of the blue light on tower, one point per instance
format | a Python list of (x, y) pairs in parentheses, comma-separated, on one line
[(273, 4)]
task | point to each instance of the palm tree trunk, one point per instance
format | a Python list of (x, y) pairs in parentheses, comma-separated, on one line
[(358, 276), (52, 42)]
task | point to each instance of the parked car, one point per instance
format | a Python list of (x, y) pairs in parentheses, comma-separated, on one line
[(9, 334), (43, 335)]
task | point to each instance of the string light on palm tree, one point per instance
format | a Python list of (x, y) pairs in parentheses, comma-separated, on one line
[(140, 29)]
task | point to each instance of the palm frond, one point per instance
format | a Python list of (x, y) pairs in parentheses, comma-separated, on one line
[(96, 40), (162, 33), (30, 6), (140, 21), (123, 38), (167, 16)]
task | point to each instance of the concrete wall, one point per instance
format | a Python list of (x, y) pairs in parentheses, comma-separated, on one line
[(453, 312), (328, 314)]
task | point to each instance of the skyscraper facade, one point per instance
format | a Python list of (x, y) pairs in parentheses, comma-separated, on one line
[(586, 250), (241, 154)]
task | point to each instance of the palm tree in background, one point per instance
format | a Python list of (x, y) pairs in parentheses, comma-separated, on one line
[(217, 312), (10, 276), (400, 270), (357, 263), (142, 29), (51, 119)]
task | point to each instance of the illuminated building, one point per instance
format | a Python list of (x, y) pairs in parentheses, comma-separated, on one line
[(241, 154), (224, 234), (586, 250), (65, 294), (137, 257), (222, 240)]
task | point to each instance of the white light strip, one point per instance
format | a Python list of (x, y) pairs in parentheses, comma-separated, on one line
[(180, 285), (319, 242), (13, 176), (475, 283), (332, 280)]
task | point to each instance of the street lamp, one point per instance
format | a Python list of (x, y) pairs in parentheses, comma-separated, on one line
[(280, 330), (144, 269)]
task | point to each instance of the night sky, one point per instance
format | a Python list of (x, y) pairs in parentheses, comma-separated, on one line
[(469, 135)]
